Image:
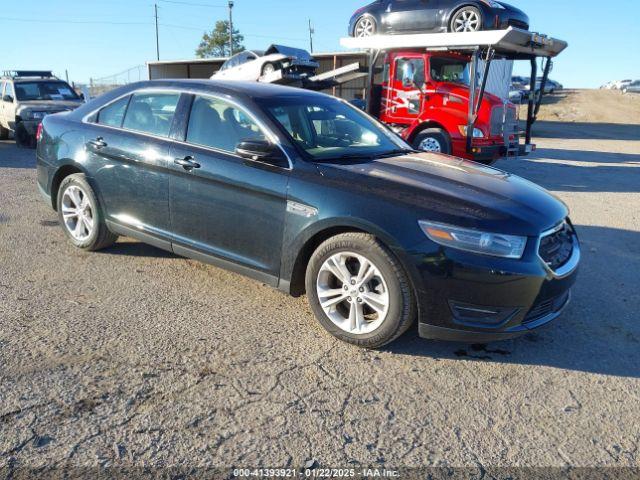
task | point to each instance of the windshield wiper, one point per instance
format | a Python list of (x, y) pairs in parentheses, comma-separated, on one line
[(398, 151), (367, 156)]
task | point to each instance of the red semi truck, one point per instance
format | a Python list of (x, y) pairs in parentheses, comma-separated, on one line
[(433, 89)]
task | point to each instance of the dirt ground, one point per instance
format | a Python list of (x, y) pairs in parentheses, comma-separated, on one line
[(136, 358)]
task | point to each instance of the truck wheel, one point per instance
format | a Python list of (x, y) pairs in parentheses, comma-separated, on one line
[(80, 215), (4, 133), (358, 290), (21, 135), (433, 140), (365, 27), (467, 19)]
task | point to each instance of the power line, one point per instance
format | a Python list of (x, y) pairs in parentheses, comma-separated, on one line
[(74, 22), (193, 4)]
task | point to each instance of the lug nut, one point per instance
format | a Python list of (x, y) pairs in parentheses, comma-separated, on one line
[(346, 287), (359, 300), (349, 299), (361, 289), (353, 282)]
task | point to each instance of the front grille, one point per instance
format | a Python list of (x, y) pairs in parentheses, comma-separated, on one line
[(556, 248), (546, 307), (497, 121)]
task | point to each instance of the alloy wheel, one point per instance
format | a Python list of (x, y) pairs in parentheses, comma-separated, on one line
[(353, 293), (77, 213), (365, 27), (430, 144), (466, 21)]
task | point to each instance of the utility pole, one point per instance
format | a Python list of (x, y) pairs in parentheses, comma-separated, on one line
[(311, 32), (157, 36), (230, 28)]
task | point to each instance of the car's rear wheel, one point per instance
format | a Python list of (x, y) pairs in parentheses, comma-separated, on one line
[(268, 68), (358, 290), (433, 140), (80, 215), (467, 19), (365, 27)]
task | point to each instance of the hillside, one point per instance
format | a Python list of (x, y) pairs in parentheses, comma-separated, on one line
[(591, 106)]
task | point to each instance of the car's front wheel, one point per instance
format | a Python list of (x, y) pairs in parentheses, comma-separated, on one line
[(80, 214), (467, 19), (358, 290), (365, 27), (4, 133), (268, 68)]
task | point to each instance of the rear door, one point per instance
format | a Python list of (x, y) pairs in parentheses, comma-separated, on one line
[(412, 15), (224, 206), (128, 145)]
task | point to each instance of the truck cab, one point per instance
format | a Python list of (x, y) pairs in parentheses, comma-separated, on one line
[(424, 97)]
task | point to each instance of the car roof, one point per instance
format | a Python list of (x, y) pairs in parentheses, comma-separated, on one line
[(247, 89)]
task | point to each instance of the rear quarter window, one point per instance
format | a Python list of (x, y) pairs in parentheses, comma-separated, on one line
[(112, 115)]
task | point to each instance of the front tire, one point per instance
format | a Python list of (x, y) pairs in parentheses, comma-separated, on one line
[(365, 27), (268, 68), (4, 133), (358, 290), (434, 140), (467, 19), (80, 215)]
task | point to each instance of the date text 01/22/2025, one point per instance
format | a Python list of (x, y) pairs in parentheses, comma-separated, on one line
[(315, 473)]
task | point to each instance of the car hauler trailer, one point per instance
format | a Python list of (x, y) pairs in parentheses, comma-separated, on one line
[(433, 91)]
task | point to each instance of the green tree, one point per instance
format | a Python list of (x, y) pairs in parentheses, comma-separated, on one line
[(216, 43)]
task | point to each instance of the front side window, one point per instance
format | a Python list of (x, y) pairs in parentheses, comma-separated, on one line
[(47, 90), (112, 115), (8, 90), (328, 129), (151, 113), (218, 124), (411, 69), (450, 70)]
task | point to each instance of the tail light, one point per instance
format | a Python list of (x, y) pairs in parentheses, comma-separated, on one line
[(39, 132)]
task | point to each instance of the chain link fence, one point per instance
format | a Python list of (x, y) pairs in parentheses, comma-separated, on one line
[(98, 86)]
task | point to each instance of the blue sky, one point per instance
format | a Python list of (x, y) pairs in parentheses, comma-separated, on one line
[(95, 38)]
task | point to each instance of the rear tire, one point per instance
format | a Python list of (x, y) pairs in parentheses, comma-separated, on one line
[(365, 27), (434, 140), (467, 19), (368, 301), (22, 137), (80, 215)]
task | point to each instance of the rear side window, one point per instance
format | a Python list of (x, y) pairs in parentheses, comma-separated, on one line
[(215, 123), (113, 114), (151, 113)]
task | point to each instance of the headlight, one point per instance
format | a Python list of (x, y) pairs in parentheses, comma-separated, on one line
[(477, 133), (494, 244), (493, 4)]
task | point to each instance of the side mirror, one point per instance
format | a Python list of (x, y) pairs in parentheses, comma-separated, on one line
[(408, 74), (7, 98), (262, 151)]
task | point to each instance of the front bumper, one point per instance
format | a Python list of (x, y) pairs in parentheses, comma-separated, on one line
[(484, 153), (477, 299)]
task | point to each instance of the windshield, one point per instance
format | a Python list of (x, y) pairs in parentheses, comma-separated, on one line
[(26, 91), (328, 129), (450, 70)]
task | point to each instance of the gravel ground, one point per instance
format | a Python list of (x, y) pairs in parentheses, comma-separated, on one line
[(133, 357)]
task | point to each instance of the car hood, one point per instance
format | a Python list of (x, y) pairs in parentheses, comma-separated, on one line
[(451, 190), (50, 105)]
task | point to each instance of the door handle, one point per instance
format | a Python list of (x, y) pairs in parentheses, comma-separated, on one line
[(98, 142), (188, 163)]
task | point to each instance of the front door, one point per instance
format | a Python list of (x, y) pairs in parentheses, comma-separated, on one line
[(412, 15), (403, 98), (222, 205), (129, 144)]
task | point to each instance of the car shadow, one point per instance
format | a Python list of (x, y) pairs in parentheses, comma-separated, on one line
[(586, 131), (136, 249), (598, 333), (579, 171), (12, 156)]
